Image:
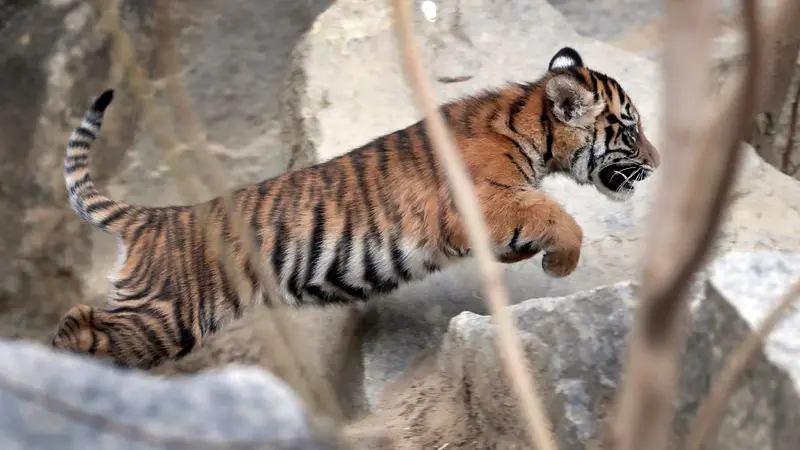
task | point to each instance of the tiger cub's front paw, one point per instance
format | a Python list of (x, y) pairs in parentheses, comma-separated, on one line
[(562, 257), (559, 264)]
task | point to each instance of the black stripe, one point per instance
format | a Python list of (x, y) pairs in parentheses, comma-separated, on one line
[(427, 148), (592, 158), (113, 217), (85, 132), (325, 297), (593, 83), (261, 195), (141, 271), (78, 145), (93, 344), (547, 127), (78, 184), (387, 202), (371, 272), (153, 339), (356, 159), (295, 284), (315, 246), (499, 185), (278, 197), (95, 122), (338, 269), (609, 135), (279, 250), (465, 121), (515, 237), (341, 184), (431, 266), (77, 159), (138, 295), (405, 153), (398, 261), (519, 168), (186, 294), (518, 104), (99, 206)]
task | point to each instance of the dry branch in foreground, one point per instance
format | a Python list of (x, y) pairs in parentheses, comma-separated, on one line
[(461, 187), (316, 391), (125, 55), (690, 205)]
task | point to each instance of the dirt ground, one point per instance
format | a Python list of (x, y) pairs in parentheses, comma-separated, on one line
[(424, 409)]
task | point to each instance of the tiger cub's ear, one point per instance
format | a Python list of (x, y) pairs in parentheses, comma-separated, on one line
[(565, 58), (572, 103)]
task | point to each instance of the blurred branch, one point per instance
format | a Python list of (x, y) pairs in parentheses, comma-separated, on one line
[(700, 167), (711, 411), (786, 165), (461, 187), (189, 128), (784, 46)]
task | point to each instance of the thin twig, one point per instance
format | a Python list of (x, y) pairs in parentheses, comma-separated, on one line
[(191, 131), (712, 409), (461, 187), (690, 206), (786, 158), (125, 55)]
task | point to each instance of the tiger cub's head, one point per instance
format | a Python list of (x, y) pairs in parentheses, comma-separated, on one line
[(596, 131)]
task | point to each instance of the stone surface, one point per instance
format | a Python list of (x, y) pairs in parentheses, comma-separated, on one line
[(575, 344), (54, 400), (346, 73)]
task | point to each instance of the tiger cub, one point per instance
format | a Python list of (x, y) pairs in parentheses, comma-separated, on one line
[(366, 222)]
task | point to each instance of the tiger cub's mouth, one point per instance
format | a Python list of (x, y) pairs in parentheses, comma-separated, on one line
[(621, 179)]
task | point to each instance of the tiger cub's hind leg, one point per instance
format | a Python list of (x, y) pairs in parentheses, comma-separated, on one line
[(77, 332), (122, 336)]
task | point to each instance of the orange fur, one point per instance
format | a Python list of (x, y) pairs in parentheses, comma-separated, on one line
[(364, 223)]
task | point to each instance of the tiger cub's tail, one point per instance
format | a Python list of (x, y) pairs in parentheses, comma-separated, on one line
[(91, 205)]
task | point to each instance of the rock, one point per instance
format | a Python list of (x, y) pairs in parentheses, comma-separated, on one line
[(576, 343), (56, 400), (349, 85), (744, 288)]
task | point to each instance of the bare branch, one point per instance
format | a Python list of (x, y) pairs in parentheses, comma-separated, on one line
[(690, 205), (188, 125), (463, 190), (711, 412), (786, 157), (124, 53)]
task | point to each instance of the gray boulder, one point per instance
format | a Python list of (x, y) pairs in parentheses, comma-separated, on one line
[(576, 344), (54, 400)]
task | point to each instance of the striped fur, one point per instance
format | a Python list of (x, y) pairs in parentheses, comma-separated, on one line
[(364, 223)]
